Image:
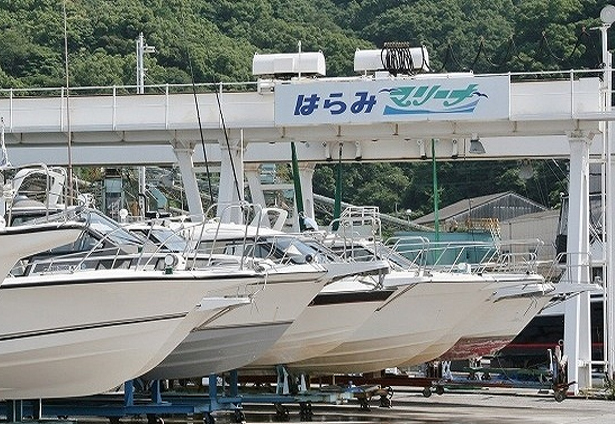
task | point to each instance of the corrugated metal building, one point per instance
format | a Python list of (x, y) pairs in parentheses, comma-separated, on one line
[(482, 212), (540, 225), (508, 216)]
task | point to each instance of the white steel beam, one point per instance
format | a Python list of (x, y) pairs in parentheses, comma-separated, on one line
[(230, 191), (306, 172), (399, 150), (577, 335), (183, 153)]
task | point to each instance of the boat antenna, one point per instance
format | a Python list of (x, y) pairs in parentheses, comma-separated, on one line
[(228, 144), (198, 117), (198, 111), (70, 159)]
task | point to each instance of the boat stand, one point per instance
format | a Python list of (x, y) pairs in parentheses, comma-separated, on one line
[(293, 389), (115, 406), (19, 411), (134, 402), (552, 379)]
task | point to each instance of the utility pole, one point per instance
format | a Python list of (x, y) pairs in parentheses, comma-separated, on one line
[(142, 48)]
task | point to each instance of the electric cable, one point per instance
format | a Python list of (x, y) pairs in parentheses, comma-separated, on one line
[(396, 58), (511, 47), (481, 44), (544, 41), (228, 146)]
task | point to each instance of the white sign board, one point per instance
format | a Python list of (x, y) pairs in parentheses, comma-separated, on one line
[(339, 102)]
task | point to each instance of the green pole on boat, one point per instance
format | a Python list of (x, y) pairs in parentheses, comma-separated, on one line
[(436, 194), (337, 206), (297, 185)]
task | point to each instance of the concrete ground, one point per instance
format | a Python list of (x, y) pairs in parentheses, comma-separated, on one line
[(501, 406), (409, 406)]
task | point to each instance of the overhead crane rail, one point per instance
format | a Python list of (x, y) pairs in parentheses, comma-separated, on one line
[(547, 105)]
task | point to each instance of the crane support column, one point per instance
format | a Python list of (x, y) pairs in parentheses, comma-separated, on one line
[(253, 177), (306, 173), (230, 191), (609, 311), (183, 153), (577, 336)]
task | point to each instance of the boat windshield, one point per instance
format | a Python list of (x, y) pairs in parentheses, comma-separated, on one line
[(289, 248), (395, 258), (110, 230), (279, 248), (167, 238), (368, 252)]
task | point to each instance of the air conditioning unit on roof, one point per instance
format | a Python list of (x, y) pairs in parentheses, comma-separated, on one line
[(304, 63)]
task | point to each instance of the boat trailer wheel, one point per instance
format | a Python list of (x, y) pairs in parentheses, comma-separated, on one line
[(305, 411), (239, 416), (281, 412), (385, 398), (559, 395)]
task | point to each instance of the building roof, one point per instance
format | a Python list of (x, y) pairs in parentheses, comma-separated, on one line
[(465, 206), (536, 216)]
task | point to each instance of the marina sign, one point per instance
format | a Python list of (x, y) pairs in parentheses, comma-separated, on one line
[(338, 102)]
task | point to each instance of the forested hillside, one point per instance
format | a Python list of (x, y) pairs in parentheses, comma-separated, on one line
[(209, 41)]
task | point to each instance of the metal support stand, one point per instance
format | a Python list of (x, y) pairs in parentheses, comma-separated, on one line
[(129, 393)]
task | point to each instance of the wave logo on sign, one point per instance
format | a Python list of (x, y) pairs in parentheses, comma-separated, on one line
[(432, 99)]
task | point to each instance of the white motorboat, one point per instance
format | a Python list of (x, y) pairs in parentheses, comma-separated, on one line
[(86, 332), (296, 273), (235, 338), (418, 314), (73, 327), (22, 241), (240, 336), (495, 327), (494, 323), (334, 314)]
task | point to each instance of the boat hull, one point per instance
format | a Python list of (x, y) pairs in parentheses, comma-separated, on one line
[(216, 350), (413, 318), (493, 323), (210, 309), (86, 333), (243, 334), (329, 320), (499, 325)]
